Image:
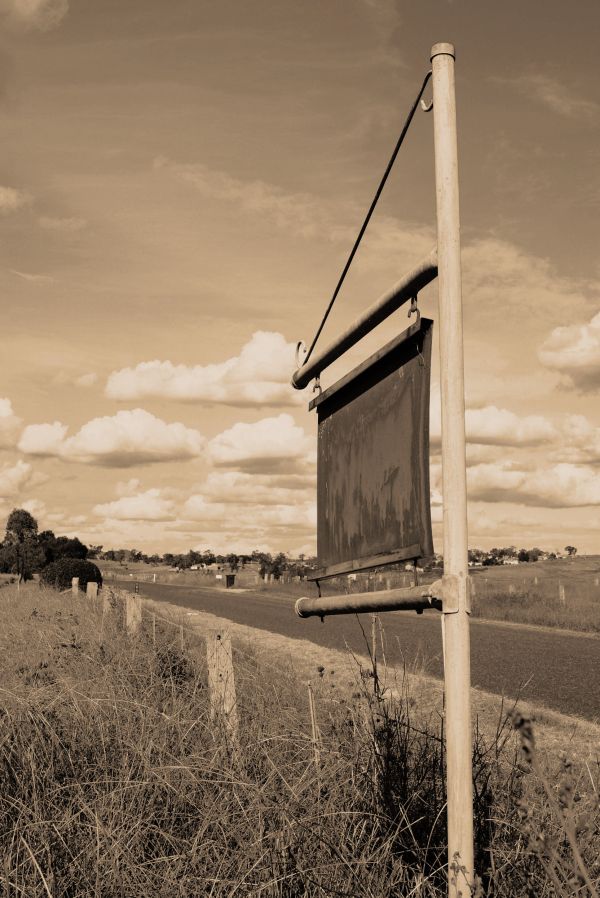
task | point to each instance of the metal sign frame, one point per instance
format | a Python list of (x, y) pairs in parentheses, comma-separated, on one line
[(373, 503), (453, 591)]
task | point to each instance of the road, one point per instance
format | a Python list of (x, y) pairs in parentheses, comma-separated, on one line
[(556, 669)]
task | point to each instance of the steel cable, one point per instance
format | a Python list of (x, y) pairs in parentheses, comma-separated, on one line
[(365, 223)]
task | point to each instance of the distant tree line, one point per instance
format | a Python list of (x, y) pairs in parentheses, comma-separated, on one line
[(502, 555)]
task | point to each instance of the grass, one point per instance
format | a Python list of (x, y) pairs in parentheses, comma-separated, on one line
[(116, 781)]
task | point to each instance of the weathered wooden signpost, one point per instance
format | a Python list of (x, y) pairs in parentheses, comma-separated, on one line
[(373, 464)]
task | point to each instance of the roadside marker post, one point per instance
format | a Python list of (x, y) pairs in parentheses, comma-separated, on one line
[(338, 533)]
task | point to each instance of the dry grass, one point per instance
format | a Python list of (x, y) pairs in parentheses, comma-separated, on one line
[(115, 781)]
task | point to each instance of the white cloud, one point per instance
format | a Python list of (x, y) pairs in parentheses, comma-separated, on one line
[(10, 425), (260, 375), (580, 443), (14, 478), (241, 488), (33, 278), (62, 224), (40, 14), (43, 439), (269, 445), (150, 505), (35, 507), (492, 426), (574, 351), (501, 427), (11, 200), (557, 486), (128, 438), (300, 213), (556, 96)]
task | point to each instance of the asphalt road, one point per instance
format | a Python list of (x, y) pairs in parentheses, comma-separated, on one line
[(556, 669)]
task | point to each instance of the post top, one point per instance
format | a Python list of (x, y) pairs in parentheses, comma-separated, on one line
[(443, 50)]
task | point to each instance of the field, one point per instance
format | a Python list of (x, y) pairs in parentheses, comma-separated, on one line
[(117, 781)]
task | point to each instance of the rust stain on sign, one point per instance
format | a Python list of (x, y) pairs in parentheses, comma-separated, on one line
[(373, 504)]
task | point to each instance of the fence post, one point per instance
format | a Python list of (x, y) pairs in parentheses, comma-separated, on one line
[(133, 613), (221, 682), (75, 585), (561, 593), (457, 675), (92, 590)]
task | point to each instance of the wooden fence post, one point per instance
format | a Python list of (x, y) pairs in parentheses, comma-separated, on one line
[(221, 682), (75, 585), (92, 590), (133, 613), (561, 593)]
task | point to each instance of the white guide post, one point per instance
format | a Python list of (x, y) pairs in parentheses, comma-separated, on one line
[(456, 600)]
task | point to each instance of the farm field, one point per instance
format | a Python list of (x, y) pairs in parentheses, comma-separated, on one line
[(116, 780)]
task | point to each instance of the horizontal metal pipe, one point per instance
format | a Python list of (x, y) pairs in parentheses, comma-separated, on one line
[(405, 289), (411, 598)]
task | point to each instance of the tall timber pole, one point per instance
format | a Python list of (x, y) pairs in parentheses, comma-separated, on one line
[(456, 604)]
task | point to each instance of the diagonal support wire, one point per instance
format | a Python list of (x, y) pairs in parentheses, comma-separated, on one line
[(365, 223)]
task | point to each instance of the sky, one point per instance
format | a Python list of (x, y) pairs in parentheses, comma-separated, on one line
[(180, 185)]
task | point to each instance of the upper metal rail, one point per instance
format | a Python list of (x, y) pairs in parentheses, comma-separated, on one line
[(404, 290)]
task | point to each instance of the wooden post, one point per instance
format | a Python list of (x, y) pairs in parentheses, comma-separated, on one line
[(133, 613), (75, 585), (92, 590), (221, 682), (153, 629), (561, 593), (457, 675)]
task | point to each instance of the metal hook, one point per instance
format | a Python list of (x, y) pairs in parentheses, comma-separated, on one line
[(426, 107), (300, 347), (317, 384), (414, 309)]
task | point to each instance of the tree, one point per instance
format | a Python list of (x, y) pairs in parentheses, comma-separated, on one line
[(571, 551), (21, 553), (233, 561)]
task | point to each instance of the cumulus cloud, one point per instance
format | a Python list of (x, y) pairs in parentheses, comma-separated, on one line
[(128, 438), (493, 426), (14, 478), (269, 445), (10, 425), (11, 200), (150, 505), (574, 351), (34, 14), (43, 439), (558, 486), (259, 375), (500, 427)]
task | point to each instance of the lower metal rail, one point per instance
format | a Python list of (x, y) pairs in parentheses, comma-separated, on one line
[(411, 598)]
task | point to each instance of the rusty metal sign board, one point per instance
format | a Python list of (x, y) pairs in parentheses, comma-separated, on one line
[(373, 504)]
